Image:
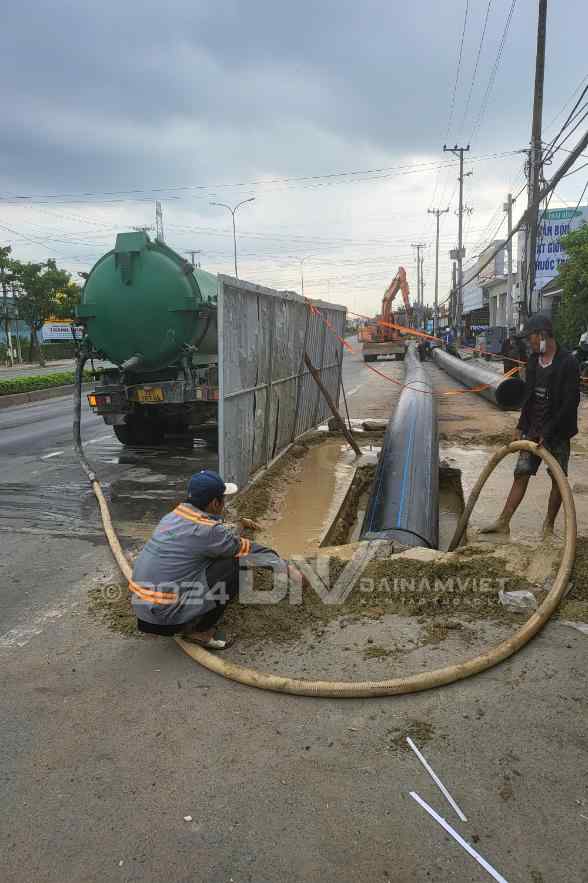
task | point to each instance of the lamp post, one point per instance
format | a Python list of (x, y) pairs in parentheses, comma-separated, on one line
[(302, 272), (232, 211)]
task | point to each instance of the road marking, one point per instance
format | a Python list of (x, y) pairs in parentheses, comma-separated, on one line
[(54, 454), (92, 441), (22, 635), (354, 390)]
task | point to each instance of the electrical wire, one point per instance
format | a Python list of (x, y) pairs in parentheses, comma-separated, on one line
[(400, 169), (474, 75), (571, 98), (556, 178), (564, 126), (493, 73), (457, 73)]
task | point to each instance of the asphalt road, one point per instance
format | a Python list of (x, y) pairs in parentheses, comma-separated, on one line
[(122, 760)]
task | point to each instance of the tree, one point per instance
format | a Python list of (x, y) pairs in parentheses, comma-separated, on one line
[(5, 273), (67, 300), (572, 316), (41, 285)]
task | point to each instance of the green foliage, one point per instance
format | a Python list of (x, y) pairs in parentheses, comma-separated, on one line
[(572, 317), (40, 287), (43, 381), (66, 301)]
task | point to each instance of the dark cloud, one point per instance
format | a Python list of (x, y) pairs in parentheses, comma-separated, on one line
[(113, 96)]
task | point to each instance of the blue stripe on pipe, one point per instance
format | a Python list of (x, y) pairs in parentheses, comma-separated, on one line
[(407, 461), (379, 480)]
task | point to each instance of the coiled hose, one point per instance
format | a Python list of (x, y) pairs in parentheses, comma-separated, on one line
[(392, 686)]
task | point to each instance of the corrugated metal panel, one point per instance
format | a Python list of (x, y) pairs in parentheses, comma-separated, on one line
[(267, 396), (473, 298)]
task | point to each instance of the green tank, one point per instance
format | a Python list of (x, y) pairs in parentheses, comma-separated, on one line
[(145, 307)]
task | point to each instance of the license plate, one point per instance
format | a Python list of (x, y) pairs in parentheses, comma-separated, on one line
[(150, 395)]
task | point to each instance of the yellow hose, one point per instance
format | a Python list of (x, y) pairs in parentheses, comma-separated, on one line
[(424, 680)]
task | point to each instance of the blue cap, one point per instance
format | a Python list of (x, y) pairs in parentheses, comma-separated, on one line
[(207, 485)]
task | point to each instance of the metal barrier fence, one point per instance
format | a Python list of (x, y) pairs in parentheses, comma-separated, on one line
[(267, 397)]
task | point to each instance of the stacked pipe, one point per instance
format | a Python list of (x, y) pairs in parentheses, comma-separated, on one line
[(404, 503), (505, 392)]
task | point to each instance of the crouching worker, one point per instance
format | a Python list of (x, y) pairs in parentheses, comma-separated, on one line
[(188, 571)]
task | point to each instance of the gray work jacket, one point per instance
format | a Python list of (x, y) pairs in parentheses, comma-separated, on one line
[(168, 583)]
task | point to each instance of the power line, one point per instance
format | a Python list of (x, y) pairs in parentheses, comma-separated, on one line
[(581, 197), (571, 98), (459, 57), (571, 132), (493, 72), (403, 169), (471, 89), (561, 172)]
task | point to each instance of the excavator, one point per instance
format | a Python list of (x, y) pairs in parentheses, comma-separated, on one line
[(379, 340)]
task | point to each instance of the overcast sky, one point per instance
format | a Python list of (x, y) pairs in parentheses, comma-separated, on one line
[(108, 106)]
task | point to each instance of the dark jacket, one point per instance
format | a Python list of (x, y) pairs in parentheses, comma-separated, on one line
[(564, 395)]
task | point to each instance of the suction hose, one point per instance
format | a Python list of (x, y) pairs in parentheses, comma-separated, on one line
[(412, 683)]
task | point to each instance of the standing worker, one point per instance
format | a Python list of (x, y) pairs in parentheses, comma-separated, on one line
[(188, 571), (508, 351), (549, 417)]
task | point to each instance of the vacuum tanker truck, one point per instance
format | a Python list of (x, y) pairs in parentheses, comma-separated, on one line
[(153, 316)]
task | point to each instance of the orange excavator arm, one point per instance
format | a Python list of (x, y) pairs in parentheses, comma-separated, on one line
[(399, 283)]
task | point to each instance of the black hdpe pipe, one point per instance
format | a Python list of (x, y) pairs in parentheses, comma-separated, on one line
[(404, 503), (506, 393)]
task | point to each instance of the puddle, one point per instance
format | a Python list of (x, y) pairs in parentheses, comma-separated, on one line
[(141, 484), (311, 500)]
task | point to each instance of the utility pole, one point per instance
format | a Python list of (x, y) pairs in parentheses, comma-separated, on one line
[(193, 252), (159, 222), (459, 151), (437, 212), (418, 246), (535, 162), (507, 207), (453, 299)]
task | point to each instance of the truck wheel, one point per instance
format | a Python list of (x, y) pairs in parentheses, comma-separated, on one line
[(140, 432), (209, 434)]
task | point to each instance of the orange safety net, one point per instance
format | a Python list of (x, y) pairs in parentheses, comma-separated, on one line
[(443, 392), (416, 333)]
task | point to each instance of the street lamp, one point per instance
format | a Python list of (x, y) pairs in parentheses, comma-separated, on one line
[(232, 211), (302, 272)]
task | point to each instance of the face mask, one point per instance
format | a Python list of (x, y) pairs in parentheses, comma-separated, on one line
[(542, 346)]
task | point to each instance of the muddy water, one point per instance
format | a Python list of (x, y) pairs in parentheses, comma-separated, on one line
[(450, 508), (311, 500)]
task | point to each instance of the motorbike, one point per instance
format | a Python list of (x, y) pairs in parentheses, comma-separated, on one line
[(581, 356)]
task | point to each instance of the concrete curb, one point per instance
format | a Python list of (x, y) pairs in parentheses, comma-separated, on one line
[(38, 395)]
